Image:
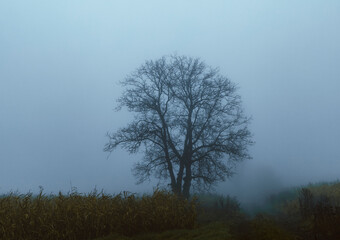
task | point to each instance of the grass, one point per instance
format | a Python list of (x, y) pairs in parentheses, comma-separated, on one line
[(307, 212), (212, 231), (77, 216)]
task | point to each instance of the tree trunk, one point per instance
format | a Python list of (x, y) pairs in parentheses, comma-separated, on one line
[(187, 182), (175, 189), (179, 180)]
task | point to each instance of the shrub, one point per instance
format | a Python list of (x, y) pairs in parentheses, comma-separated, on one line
[(316, 212), (214, 207)]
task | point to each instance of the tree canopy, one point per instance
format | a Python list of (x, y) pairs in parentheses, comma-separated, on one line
[(189, 121)]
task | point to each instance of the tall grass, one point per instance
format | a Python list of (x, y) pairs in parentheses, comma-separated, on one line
[(308, 212), (79, 216)]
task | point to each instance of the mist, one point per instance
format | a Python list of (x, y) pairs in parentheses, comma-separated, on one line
[(61, 63)]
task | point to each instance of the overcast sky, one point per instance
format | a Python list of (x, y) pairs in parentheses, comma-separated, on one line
[(61, 61)]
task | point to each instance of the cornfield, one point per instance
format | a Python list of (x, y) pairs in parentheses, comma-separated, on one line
[(76, 216)]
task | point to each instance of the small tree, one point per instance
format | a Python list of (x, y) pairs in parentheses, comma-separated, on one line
[(188, 118)]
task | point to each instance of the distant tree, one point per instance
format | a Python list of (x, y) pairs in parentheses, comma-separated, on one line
[(189, 120)]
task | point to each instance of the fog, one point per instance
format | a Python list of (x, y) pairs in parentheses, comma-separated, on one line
[(61, 62)]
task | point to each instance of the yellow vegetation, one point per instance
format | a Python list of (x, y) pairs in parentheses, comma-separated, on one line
[(75, 216)]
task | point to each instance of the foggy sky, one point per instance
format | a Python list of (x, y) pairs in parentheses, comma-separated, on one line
[(61, 61)]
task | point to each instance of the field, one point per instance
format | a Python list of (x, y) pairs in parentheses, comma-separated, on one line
[(308, 212)]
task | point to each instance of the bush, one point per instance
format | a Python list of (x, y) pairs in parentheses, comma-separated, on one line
[(321, 216), (315, 213), (213, 207)]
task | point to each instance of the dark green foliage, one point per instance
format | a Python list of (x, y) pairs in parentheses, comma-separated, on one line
[(213, 207), (320, 216), (314, 213), (306, 203), (264, 227), (275, 201), (212, 231)]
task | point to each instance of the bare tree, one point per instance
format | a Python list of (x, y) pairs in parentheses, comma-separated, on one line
[(188, 118)]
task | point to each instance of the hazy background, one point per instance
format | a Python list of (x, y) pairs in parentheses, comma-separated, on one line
[(61, 61)]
